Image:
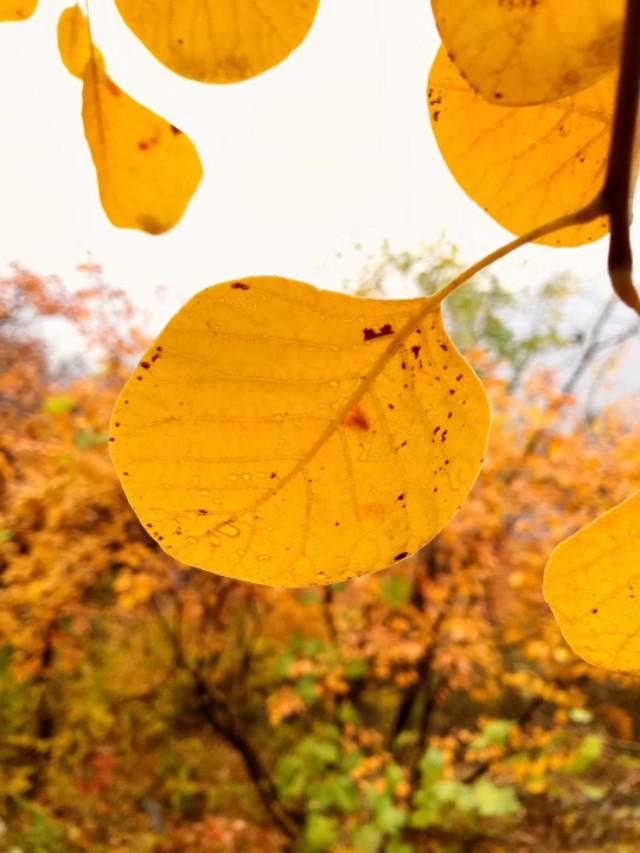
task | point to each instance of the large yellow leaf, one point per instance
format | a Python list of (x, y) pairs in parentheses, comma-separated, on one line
[(527, 52), (17, 10), (525, 165), (592, 584), (291, 436), (220, 41), (147, 168)]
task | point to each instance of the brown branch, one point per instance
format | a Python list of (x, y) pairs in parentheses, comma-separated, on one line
[(618, 187), (225, 726)]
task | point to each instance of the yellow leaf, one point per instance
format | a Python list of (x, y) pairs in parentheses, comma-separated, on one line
[(592, 584), (220, 41), (525, 165), (147, 168), (290, 436), (17, 10), (74, 41), (514, 52)]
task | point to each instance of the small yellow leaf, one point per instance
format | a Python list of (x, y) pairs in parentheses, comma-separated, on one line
[(17, 10), (525, 165), (592, 584), (147, 169), (291, 436), (516, 52), (74, 41), (219, 41)]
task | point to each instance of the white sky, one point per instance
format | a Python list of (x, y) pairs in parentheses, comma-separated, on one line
[(331, 148)]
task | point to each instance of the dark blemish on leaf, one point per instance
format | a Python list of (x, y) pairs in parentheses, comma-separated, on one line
[(404, 444), (391, 406), (126, 402), (145, 364), (139, 378), (117, 423), (451, 392), (404, 365), (401, 555), (444, 436), (435, 490), (356, 419), (450, 415), (203, 512), (498, 96), (444, 347), (125, 473), (239, 285), (595, 610), (446, 461), (155, 356), (337, 524), (112, 439), (160, 538), (436, 115), (143, 145), (459, 377), (273, 475), (416, 351), (400, 497), (370, 334), (436, 430), (175, 130)]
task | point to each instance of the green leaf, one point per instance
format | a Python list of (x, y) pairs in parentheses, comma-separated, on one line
[(580, 716), (495, 801), (397, 590), (495, 733), (431, 765), (58, 405), (366, 839), (588, 753), (306, 687), (321, 833)]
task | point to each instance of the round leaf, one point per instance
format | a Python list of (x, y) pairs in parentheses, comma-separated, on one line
[(592, 584), (290, 436), (514, 52), (525, 165), (219, 41)]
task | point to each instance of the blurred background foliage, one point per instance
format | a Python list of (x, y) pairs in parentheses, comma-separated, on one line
[(146, 706)]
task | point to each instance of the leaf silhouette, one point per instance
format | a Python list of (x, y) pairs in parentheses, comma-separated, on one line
[(290, 436), (592, 584), (147, 169), (525, 165), (219, 41), (516, 53)]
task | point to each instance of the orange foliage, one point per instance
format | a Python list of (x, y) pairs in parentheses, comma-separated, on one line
[(149, 706)]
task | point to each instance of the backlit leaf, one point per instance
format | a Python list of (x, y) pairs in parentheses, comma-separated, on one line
[(525, 165), (74, 41), (592, 584), (220, 41), (290, 436), (147, 169), (17, 10), (526, 52)]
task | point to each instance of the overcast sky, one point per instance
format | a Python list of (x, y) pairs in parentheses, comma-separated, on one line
[(331, 148)]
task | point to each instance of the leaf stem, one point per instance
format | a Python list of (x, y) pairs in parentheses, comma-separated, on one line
[(618, 186), (585, 214)]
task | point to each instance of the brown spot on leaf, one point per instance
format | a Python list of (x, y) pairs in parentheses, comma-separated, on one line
[(370, 334), (356, 419), (239, 285)]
